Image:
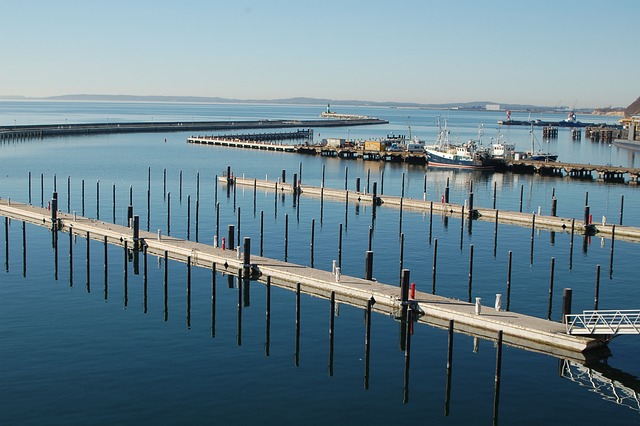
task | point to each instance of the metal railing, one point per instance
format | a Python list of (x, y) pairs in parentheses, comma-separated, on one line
[(605, 322)]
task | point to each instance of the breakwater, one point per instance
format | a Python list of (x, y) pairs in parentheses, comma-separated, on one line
[(50, 130)]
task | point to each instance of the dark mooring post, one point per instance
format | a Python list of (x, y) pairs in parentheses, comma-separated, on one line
[(231, 237), (521, 193), (346, 176), (566, 303), (188, 217), (509, 279), (6, 243), (29, 187), (164, 184), (370, 238), (613, 241), (551, 275), (238, 227), (42, 191), (381, 182), (368, 179), (433, 270), (68, 194), (297, 355), (136, 233), (621, 207), (401, 256), (286, 236), (168, 197), (495, 193), (495, 236), (261, 231), (367, 341), (449, 368), (82, 185), (113, 208), (554, 206), (407, 354), (446, 192), (246, 263), (368, 265), (98, 199), (573, 225), (358, 184), (496, 392), (597, 295), (340, 245), (313, 233), (470, 272), (332, 316)]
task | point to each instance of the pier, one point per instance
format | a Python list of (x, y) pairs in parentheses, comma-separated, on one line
[(607, 173), (524, 331)]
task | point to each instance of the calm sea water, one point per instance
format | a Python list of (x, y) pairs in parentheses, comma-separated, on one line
[(81, 348)]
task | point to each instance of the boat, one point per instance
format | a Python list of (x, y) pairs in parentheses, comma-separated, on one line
[(468, 155), (539, 155), (500, 150)]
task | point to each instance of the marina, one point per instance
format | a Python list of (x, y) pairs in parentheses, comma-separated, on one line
[(521, 330), (183, 323)]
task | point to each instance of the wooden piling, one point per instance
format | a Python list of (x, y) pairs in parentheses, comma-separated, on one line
[(168, 197), (521, 193), (433, 269), (286, 235), (367, 341), (509, 280), (98, 199), (449, 367), (231, 237), (267, 315), (496, 392), (42, 192), (340, 246), (246, 263), (597, 295), (261, 231), (566, 303), (188, 217), (332, 308), (621, 207), (368, 265), (495, 193), (551, 276), (180, 187), (401, 255), (313, 232)]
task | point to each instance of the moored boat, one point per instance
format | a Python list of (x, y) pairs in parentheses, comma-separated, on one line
[(468, 155)]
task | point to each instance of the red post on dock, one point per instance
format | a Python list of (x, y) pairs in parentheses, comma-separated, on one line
[(412, 294)]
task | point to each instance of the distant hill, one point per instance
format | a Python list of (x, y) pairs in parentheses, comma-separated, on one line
[(633, 109), (477, 105)]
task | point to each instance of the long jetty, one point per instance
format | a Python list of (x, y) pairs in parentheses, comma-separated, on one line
[(524, 331), (78, 129), (531, 220), (608, 173)]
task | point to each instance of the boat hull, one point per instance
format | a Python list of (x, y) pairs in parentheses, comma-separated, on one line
[(435, 160)]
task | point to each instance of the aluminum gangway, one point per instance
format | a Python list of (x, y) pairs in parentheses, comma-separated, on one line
[(604, 322)]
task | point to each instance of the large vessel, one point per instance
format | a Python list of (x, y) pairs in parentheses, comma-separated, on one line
[(468, 155)]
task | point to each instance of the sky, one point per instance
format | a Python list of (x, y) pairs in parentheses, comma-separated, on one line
[(575, 53)]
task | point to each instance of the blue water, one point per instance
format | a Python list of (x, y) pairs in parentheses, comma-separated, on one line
[(77, 351)]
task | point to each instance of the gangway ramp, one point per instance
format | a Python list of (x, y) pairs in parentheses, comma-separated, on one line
[(604, 322)]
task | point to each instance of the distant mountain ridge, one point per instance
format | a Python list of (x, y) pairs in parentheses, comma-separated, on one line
[(476, 105)]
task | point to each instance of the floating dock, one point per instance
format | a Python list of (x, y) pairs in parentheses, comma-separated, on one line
[(530, 220), (519, 330)]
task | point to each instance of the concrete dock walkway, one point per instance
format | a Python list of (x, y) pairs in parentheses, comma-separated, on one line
[(519, 330)]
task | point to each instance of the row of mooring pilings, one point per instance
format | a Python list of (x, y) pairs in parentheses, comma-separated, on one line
[(408, 318), (167, 196), (368, 257)]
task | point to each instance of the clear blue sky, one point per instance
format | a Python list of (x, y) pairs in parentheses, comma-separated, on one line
[(580, 53)]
